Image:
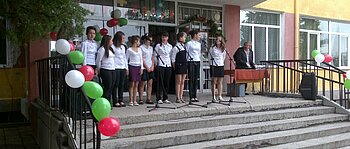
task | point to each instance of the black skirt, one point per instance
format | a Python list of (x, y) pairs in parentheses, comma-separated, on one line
[(147, 75), (217, 71), (180, 68)]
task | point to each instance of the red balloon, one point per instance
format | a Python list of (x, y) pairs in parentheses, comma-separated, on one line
[(88, 72), (72, 46), (327, 58), (112, 22), (109, 126), (344, 75), (103, 31), (53, 35)]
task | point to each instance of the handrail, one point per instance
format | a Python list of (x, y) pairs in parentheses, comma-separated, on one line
[(71, 103), (286, 77)]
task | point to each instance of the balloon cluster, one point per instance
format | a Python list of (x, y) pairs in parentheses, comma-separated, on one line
[(319, 57), (101, 108), (116, 19), (347, 80)]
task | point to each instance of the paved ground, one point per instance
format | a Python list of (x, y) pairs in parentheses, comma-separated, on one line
[(252, 101), (19, 137)]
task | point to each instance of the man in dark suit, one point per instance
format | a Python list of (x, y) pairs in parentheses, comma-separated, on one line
[(244, 58)]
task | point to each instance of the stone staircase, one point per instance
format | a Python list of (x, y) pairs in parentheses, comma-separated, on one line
[(304, 124)]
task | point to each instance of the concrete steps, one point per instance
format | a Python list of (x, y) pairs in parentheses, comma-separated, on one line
[(327, 142), (148, 128), (221, 132), (225, 127), (268, 139)]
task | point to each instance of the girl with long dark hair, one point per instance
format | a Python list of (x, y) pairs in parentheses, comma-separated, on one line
[(121, 68), (105, 66), (217, 56)]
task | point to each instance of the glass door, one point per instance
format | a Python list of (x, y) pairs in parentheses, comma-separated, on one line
[(313, 43), (344, 47)]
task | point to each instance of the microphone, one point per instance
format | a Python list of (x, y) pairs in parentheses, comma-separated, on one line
[(204, 42)]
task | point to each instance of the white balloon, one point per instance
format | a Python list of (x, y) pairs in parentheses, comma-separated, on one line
[(74, 79), (116, 14), (348, 74), (97, 28), (319, 58), (62, 46)]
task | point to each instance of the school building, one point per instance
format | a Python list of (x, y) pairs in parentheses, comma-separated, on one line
[(278, 30)]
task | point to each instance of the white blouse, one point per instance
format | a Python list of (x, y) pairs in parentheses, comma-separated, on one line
[(89, 49), (135, 58), (194, 50), (164, 53), (120, 57), (147, 54), (177, 50), (103, 61), (218, 55)]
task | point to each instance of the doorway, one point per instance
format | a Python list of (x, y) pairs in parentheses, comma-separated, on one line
[(156, 32)]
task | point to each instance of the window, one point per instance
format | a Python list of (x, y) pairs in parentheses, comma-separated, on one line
[(3, 45), (149, 10), (327, 36), (263, 30)]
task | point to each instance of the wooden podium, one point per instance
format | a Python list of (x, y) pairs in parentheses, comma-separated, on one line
[(248, 76)]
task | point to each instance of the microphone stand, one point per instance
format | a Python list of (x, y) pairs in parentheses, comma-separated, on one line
[(231, 92), (156, 105), (189, 82), (212, 77)]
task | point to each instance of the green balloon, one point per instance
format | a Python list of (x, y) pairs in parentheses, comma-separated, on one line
[(76, 57), (314, 53), (347, 84), (98, 37), (93, 89), (122, 21), (101, 108)]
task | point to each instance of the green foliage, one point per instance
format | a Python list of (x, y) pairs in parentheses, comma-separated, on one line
[(33, 19), (213, 31)]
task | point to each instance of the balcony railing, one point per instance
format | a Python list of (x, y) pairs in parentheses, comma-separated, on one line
[(72, 103), (286, 77)]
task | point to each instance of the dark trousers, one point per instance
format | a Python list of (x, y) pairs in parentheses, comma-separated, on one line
[(119, 85), (108, 81), (163, 78), (193, 75), (93, 66)]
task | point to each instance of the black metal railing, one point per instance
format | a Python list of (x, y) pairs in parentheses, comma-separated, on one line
[(286, 75), (72, 103)]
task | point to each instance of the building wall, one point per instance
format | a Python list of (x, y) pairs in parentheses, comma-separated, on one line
[(38, 49), (232, 29), (336, 9)]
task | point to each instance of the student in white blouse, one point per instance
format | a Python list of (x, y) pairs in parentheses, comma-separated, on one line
[(89, 47), (164, 68), (105, 66), (121, 68), (134, 56), (179, 61), (148, 72), (216, 55), (194, 57)]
